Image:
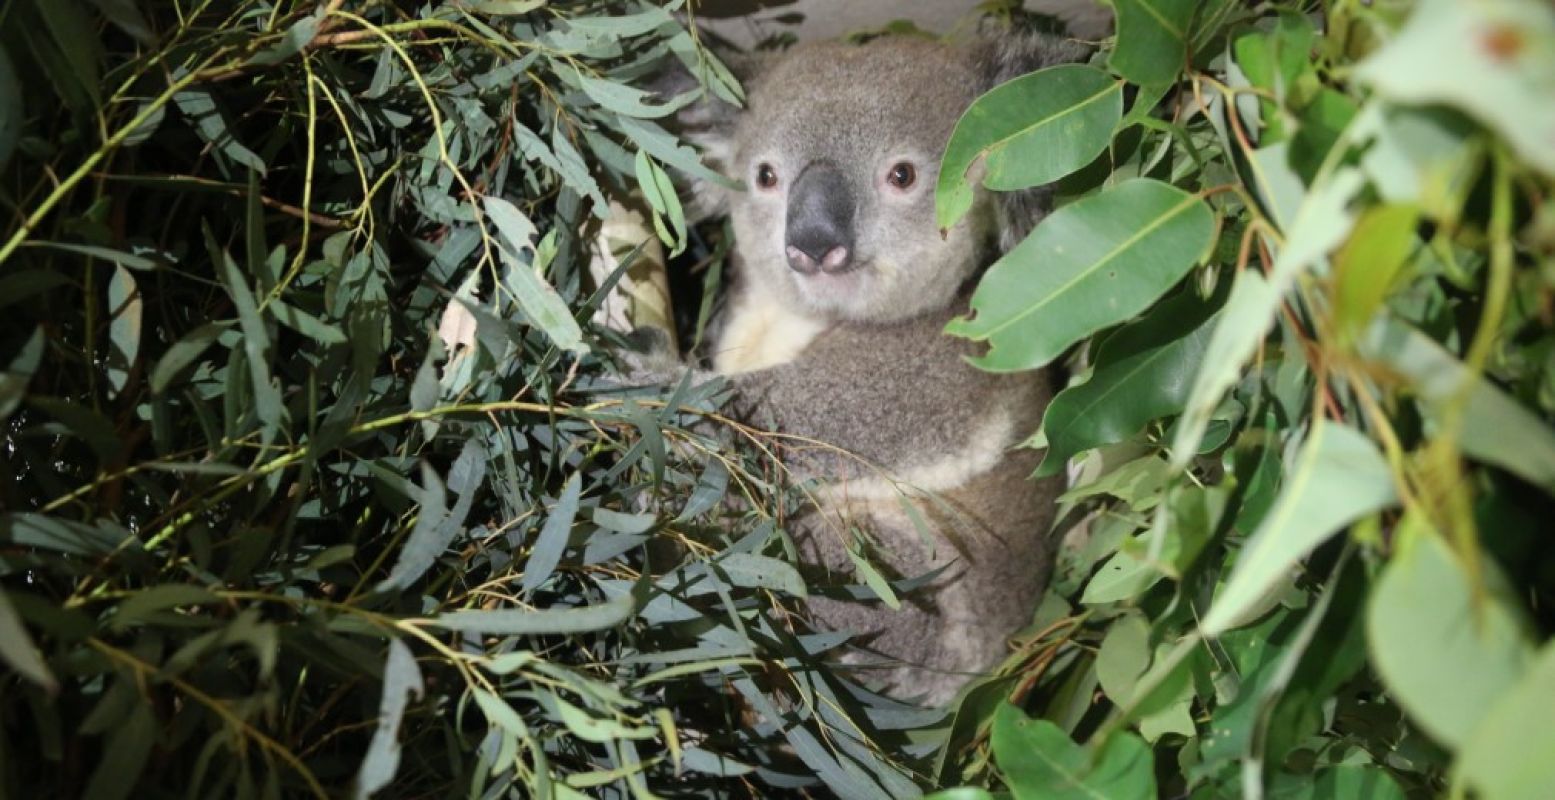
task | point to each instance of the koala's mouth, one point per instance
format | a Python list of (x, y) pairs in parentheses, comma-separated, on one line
[(830, 288)]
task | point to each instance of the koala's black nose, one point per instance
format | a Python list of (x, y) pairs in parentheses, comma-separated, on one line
[(819, 234)]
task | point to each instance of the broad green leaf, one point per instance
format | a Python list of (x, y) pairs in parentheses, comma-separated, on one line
[(18, 651), (124, 328), (1273, 60), (1143, 372), (1422, 156), (1366, 266), (1446, 648), (1508, 753), (1089, 265), (1151, 47), (1338, 477), (1500, 70), (1040, 762), (401, 681), (1124, 656), (552, 541), (512, 622), (1027, 132), (1243, 323), (11, 110), (1496, 429), (539, 300)]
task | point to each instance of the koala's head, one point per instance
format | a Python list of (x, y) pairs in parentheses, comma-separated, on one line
[(839, 149)]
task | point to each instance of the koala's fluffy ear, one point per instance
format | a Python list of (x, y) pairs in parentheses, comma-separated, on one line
[(708, 123), (1000, 56)]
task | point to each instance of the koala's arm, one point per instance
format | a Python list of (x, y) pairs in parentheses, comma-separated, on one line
[(892, 395)]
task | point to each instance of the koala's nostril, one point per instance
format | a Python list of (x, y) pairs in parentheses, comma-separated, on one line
[(800, 261), (835, 260)]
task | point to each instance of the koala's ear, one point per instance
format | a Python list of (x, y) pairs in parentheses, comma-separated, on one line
[(709, 122), (1000, 56), (1003, 55)]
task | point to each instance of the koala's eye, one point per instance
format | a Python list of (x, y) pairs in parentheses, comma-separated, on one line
[(766, 176), (902, 176)]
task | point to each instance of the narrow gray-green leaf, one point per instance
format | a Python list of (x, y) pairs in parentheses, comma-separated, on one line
[(552, 541), (256, 337), (539, 299), (513, 622), (183, 353), (1027, 132), (765, 572), (1338, 477), (427, 540), (14, 380), (200, 107), (124, 756), (124, 327), (18, 651), (1089, 265), (401, 681), (148, 601), (632, 102)]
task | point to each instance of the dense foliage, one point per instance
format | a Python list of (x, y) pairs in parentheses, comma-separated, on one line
[(315, 483)]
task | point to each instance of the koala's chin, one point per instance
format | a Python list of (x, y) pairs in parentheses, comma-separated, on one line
[(844, 296)]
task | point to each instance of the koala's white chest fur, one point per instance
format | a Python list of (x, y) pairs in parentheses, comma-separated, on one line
[(760, 334)]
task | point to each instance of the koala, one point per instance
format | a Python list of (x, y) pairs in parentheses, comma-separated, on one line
[(833, 337)]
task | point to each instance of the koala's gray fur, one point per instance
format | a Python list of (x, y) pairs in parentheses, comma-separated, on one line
[(869, 369)]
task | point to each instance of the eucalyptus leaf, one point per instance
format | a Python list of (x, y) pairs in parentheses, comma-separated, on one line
[(1152, 39), (1338, 477), (1089, 265), (1447, 650), (545, 621), (1027, 132)]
